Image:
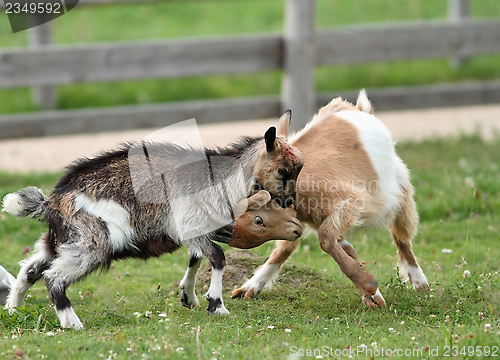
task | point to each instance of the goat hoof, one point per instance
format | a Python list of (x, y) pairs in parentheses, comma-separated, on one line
[(185, 301), (376, 300), (250, 293), (216, 307), (237, 293), (422, 287), (12, 310)]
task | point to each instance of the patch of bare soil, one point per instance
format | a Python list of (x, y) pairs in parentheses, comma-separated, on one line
[(241, 265)]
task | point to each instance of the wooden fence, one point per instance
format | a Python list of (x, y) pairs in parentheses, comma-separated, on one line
[(296, 52)]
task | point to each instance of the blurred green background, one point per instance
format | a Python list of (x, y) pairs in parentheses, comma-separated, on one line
[(176, 19)]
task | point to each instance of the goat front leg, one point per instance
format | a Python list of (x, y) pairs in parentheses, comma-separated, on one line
[(329, 237), (214, 294), (188, 295), (269, 270)]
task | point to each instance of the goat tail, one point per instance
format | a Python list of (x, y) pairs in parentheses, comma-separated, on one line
[(363, 104), (27, 201)]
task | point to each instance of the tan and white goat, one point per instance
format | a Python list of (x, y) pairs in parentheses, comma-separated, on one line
[(352, 178)]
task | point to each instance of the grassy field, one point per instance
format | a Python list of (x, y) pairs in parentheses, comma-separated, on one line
[(215, 18), (133, 311)]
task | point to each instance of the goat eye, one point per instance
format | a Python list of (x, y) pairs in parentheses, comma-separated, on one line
[(259, 221), (282, 172)]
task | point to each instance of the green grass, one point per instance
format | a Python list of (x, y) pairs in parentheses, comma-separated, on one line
[(135, 22), (458, 196)]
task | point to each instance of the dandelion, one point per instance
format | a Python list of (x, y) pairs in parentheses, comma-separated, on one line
[(466, 273), (462, 163), (487, 327), (469, 182)]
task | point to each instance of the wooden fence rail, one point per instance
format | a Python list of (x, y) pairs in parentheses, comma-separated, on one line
[(296, 52)]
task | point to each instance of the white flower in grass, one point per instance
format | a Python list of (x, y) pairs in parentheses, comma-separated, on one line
[(287, 330), (270, 327), (469, 182), (446, 251), (487, 327), (466, 273)]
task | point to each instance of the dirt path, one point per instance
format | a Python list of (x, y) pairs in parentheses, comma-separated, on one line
[(53, 153)]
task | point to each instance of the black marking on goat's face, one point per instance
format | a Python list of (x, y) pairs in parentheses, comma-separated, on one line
[(277, 172)]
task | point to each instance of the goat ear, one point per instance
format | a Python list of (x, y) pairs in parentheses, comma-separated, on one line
[(258, 200), (363, 103), (270, 138), (253, 202), (284, 123)]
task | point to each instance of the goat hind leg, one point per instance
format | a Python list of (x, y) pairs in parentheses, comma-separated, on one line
[(31, 271), (188, 295), (402, 230), (72, 264), (269, 270)]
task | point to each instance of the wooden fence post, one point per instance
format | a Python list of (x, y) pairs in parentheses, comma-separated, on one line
[(42, 96), (297, 89), (458, 11)]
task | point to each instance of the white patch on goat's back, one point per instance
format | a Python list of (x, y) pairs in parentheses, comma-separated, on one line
[(13, 204), (115, 217), (379, 146)]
